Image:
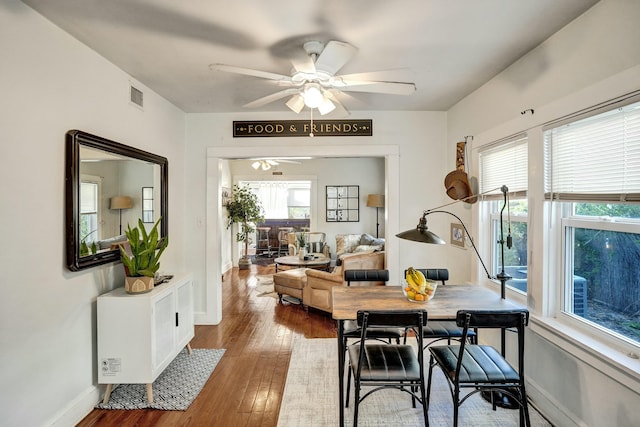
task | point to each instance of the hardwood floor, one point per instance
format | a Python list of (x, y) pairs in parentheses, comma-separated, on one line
[(246, 387)]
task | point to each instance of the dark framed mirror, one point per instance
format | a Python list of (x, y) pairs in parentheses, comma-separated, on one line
[(103, 191)]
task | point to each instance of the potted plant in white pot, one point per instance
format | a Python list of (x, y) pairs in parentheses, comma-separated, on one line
[(244, 209), (142, 259)]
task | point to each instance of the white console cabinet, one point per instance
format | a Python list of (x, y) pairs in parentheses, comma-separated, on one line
[(139, 335)]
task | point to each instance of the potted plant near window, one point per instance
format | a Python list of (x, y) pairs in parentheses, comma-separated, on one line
[(142, 259), (245, 209)]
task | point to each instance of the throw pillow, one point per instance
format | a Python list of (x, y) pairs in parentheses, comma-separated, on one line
[(365, 248), (315, 247), (368, 239), (346, 243)]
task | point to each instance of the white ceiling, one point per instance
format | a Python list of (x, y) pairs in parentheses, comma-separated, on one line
[(447, 48)]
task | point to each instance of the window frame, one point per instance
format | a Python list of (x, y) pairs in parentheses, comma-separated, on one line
[(97, 181)]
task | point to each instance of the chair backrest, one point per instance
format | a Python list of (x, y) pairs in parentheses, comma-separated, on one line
[(437, 274), (414, 319), (366, 276), (282, 235), (494, 319), (310, 236), (498, 319)]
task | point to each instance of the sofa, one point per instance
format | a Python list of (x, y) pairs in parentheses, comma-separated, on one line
[(354, 243), (317, 292)]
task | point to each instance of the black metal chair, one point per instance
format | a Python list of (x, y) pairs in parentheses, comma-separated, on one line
[(388, 365), (439, 330), (351, 328), (481, 367)]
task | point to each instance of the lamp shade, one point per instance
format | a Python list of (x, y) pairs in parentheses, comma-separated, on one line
[(120, 202), (375, 200), (421, 234)]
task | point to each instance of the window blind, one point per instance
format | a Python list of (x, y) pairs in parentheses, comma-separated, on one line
[(596, 158), (505, 164)]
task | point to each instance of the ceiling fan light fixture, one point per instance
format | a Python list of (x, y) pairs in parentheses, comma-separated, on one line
[(312, 95), (326, 107), (264, 164), (296, 103)]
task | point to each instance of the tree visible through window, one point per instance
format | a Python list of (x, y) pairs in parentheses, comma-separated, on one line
[(592, 183)]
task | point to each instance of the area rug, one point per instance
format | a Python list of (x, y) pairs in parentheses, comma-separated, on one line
[(175, 388), (262, 260), (311, 397), (265, 287)]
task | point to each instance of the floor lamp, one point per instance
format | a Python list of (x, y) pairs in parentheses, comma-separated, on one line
[(422, 234), (376, 201), (119, 203)]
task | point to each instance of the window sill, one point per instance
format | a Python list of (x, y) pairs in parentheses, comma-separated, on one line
[(613, 363)]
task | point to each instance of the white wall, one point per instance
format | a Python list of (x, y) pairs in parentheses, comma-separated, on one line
[(594, 58), (52, 83)]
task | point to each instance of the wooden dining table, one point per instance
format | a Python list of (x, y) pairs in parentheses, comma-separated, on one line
[(443, 306)]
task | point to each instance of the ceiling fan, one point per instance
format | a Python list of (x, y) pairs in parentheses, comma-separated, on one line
[(313, 81), (266, 164)]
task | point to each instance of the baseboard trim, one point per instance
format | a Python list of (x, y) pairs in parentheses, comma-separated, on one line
[(551, 409), (77, 409)]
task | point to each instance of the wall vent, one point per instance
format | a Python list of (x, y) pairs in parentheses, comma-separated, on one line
[(137, 96)]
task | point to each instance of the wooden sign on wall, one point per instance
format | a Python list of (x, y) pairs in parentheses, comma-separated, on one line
[(281, 128)]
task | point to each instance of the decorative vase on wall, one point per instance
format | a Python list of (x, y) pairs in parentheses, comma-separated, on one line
[(302, 252), (138, 285)]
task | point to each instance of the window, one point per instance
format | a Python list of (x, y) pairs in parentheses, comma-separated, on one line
[(506, 164), (299, 202), (283, 199), (147, 205), (592, 175), (89, 209)]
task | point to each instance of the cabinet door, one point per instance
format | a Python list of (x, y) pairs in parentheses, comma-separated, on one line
[(185, 331), (164, 334)]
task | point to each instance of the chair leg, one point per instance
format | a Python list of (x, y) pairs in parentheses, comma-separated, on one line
[(346, 403), (356, 393), (524, 409), (425, 403), (456, 405), (429, 380)]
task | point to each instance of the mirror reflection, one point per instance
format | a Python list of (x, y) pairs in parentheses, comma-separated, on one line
[(110, 187)]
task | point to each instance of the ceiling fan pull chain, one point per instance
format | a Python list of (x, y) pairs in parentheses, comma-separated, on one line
[(311, 128)]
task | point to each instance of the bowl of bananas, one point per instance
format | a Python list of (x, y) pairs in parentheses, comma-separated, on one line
[(418, 288)]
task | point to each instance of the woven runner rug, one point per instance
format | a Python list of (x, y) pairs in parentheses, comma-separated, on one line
[(175, 388), (311, 397)]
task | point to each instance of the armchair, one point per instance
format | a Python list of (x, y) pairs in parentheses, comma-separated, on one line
[(318, 291), (316, 243)]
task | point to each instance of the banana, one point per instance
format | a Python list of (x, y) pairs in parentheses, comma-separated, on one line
[(416, 280), (420, 277)]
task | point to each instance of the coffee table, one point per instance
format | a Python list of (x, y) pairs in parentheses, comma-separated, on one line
[(320, 263)]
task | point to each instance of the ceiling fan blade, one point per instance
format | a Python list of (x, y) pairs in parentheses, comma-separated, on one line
[(270, 98), (250, 72), (340, 110), (391, 88), (334, 56), (303, 65)]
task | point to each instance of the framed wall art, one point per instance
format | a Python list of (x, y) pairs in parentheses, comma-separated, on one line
[(343, 203), (457, 235)]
